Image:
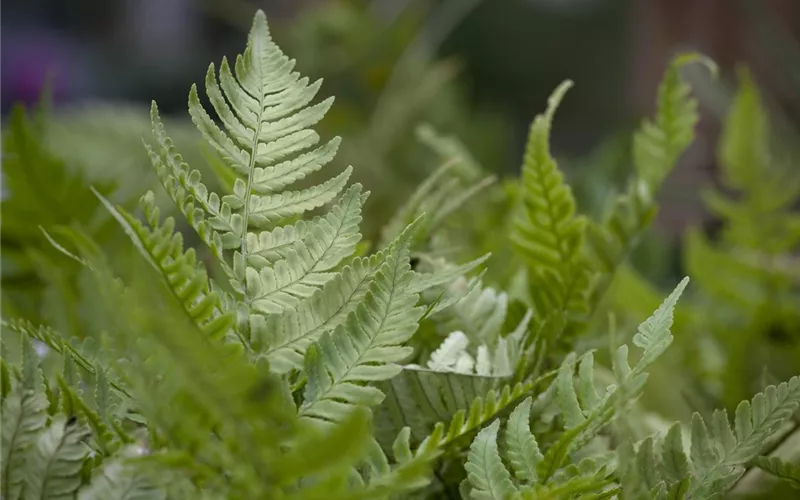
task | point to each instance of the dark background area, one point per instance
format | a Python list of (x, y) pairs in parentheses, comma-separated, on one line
[(510, 54)]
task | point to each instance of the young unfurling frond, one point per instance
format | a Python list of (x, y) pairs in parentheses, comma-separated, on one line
[(659, 143), (657, 147), (549, 234)]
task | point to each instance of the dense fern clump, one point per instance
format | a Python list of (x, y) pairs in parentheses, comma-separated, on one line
[(297, 362)]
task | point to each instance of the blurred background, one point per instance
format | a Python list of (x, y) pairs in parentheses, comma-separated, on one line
[(479, 69)]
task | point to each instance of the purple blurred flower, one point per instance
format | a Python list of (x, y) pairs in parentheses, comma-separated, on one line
[(29, 58)]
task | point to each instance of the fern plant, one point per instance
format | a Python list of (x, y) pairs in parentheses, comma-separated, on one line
[(744, 302), (298, 364)]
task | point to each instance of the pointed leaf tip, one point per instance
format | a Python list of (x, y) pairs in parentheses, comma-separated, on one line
[(554, 101), (683, 59)]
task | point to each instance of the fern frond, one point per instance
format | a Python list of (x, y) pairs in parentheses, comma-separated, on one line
[(184, 275), (743, 152), (283, 339), (266, 118), (761, 218), (211, 218), (24, 417), (585, 413), (266, 141), (327, 239), (718, 453), (303, 271), (421, 398), (657, 147), (54, 469), (674, 462), (122, 481), (549, 234), (464, 422), (521, 446), (51, 339), (659, 143), (366, 347), (487, 474), (786, 471), (106, 442)]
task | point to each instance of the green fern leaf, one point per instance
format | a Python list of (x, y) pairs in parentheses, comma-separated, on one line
[(420, 398), (303, 271), (743, 150), (266, 120), (283, 339), (586, 414), (674, 463), (786, 471), (185, 276), (718, 455), (327, 239), (50, 338), (522, 449), (549, 202), (24, 417), (367, 346), (121, 482), (107, 443), (654, 336), (488, 476), (719, 452), (659, 143), (482, 410), (54, 469), (657, 146), (549, 235), (213, 220)]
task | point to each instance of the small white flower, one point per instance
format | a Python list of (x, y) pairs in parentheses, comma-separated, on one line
[(41, 349)]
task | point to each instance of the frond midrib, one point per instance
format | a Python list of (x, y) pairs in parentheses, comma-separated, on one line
[(312, 269), (322, 326), (251, 169), (384, 318)]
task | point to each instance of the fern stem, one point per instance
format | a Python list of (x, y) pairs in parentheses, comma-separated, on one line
[(445, 488), (768, 451), (251, 169)]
